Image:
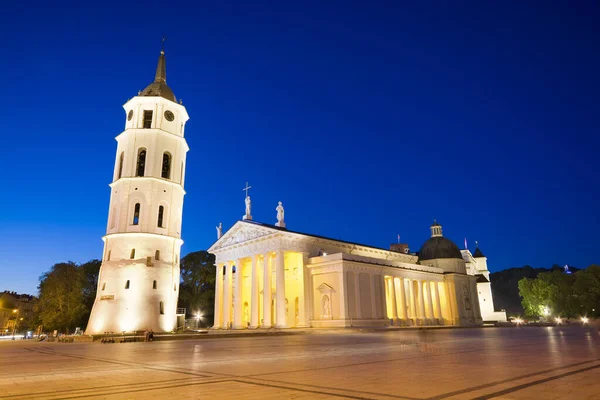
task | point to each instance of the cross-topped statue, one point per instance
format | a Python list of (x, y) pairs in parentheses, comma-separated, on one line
[(247, 188), (248, 215)]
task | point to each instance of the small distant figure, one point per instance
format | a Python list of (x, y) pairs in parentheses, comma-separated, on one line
[(280, 216), (150, 336), (219, 230)]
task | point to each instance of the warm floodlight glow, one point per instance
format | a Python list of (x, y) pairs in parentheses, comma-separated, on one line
[(585, 320), (558, 320), (518, 321), (546, 311)]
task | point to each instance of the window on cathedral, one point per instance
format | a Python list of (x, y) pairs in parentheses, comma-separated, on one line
[(157, 255), (132, 255), (161, 211), (141, 162), (162, 308), (127, 284), (104, 286), (148, 261), (147, 119), (174, 287), (136, 214), (153, 284), (108, 257), (120, 165), (166, 166)]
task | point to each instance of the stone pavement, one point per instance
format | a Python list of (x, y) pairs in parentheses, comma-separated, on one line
[(503, 363)]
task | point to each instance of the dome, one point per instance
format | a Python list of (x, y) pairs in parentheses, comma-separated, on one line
[(159, 89), (159, 86), (439, 247)]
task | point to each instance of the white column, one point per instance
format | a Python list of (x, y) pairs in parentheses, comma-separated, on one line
[(280, 289), (254, 293), (430, 302), (402, 295), (392, 290), (218, 296), (266, 291), (227, 296), (411, 299), (238, 303), (421, 301), (438, 302)]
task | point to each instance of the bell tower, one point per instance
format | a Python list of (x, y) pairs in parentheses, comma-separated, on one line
[(138, 285)]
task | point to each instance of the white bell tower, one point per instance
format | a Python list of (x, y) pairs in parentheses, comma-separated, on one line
[(138, 285)]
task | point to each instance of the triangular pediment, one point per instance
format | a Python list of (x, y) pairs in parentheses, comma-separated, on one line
[(325, 288), (241, 232)]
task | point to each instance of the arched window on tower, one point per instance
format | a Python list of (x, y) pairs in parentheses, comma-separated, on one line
[(127, 284), (162, 308), (120, 165), (141, 162), (166, 166), (157, 255), (161, 212), (132, 255), (153, 284), (136, 214)]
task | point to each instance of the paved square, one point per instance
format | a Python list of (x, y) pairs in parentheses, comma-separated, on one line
[(506, 363)]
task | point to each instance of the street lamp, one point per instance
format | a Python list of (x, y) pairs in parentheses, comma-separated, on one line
[(198, 317), (15, 311)]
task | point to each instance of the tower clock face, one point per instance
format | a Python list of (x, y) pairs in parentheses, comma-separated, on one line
[(169, 116), (130, 115)]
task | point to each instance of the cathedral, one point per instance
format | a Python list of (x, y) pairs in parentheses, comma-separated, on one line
[(266, 274), (270, 276), (138, 284)]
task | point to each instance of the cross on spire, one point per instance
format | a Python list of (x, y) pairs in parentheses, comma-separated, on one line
[(162, 45), (247, 188)]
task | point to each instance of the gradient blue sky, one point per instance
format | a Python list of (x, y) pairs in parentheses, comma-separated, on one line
[(367, 119)]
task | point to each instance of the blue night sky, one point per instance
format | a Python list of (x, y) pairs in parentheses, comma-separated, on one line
[(367, 120)]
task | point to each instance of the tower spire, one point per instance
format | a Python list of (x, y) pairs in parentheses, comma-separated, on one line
[(161, 68)]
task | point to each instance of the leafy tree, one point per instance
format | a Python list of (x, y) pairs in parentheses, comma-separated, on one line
[(61, 304), (536, 294), (89, 272), (587, 291), (197, 290)]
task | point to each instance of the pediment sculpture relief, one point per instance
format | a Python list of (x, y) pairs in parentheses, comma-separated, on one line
[(242, 235)]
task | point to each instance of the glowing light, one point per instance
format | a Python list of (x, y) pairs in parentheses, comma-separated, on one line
[(546, 311), (585, 320), (518, 321), (558, 320)]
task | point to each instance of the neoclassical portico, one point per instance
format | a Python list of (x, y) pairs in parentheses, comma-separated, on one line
[(268, 276)]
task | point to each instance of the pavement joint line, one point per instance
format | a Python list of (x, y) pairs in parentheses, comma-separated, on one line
[(347, 396), (334, 388), (84, 389), (87, 395), (508, 380), (538, 382)]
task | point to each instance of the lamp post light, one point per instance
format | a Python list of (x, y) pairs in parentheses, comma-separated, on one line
[(198, 317), (15, 311), (585, 320)]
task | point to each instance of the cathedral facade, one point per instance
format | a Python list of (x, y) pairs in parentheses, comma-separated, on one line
[(269, 276), (138, 284)]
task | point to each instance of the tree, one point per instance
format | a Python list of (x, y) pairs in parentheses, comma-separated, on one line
[(89, 272), (587, 291), (61, 304), (536, 295), (197, 289)]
